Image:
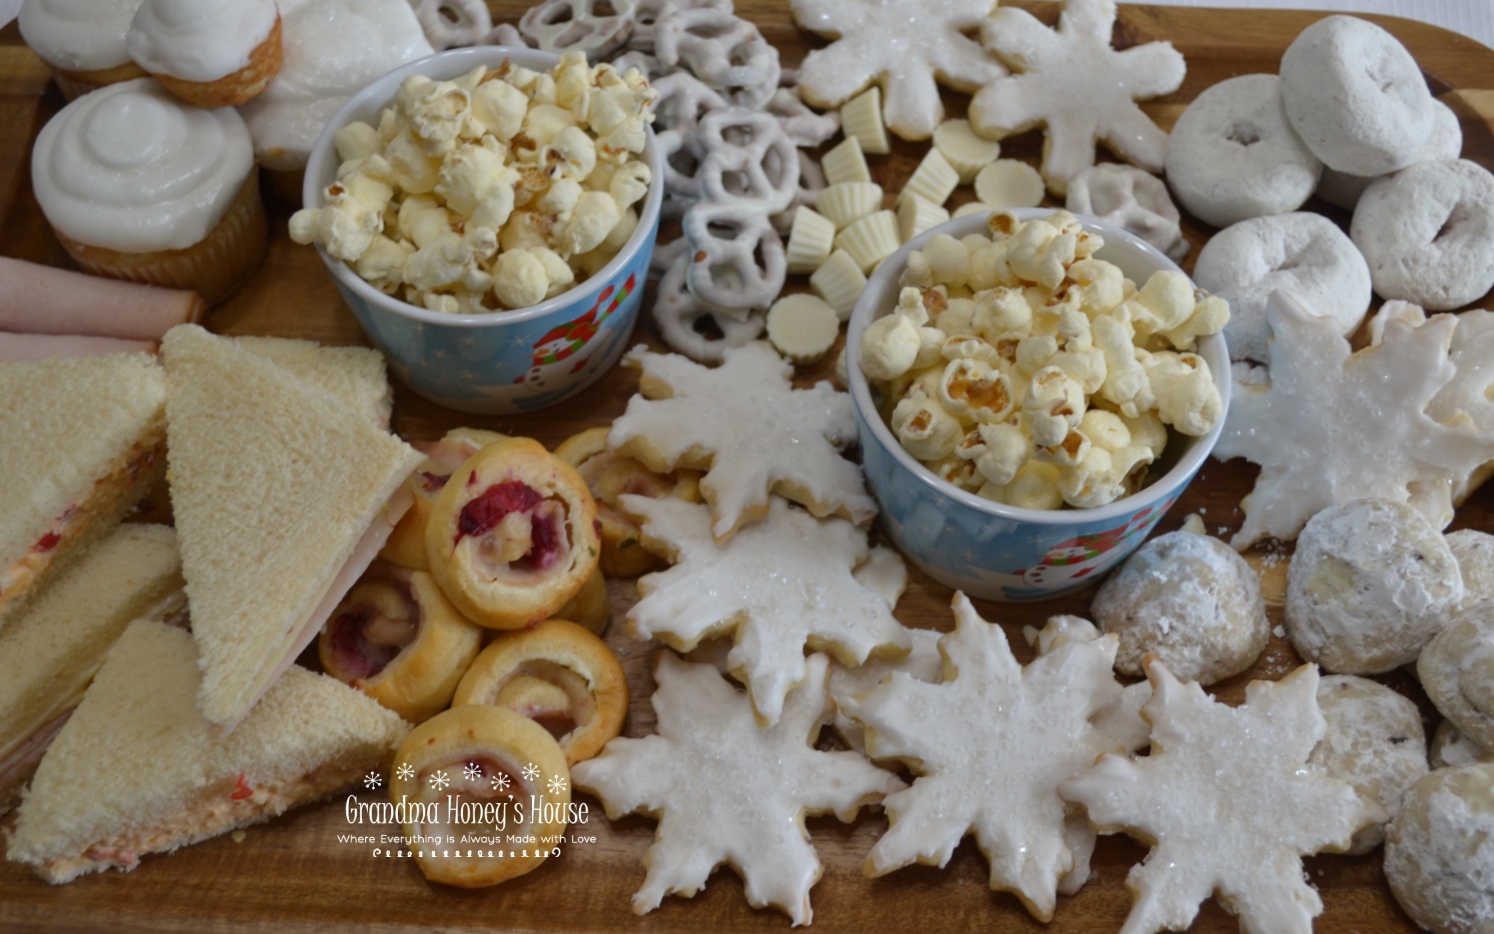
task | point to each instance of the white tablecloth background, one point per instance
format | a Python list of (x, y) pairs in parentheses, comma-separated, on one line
[(1473, 18)]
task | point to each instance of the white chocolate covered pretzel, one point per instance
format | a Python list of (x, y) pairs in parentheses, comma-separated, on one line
[(726, 52), (724, 273), (574, 25), (747, 160), (677, 312), (451, 23)]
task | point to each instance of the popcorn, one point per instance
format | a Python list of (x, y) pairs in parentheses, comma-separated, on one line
[(459, 174), (1055, 377)]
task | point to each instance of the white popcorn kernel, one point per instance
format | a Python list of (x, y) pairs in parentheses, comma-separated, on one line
[(544, 122), (1127, 384), (571, 154), (948, 259), (1034, 487), (969, 347), (1100, 286), (1074, 448), (924, 428), (1147, 431), (526, 230), (1187, 398), (562, 197), (1054, 402), (629, 184), (1193, 523), (1209, 316), (519, 278), (500, 108), (452, 258), (383, 262), (1027, 253), (1163, 303), (471, 174), (435, 111), (957, 472), (557, 271), (1002, 451), (958, 316), (357, 140), (1091, 482), (1002, 313), (422, 220), (594, 216), (411, 168), (1034, 352), (889, 346), (974, 391), (1129, 466), (1084, 363), (1105, 430)]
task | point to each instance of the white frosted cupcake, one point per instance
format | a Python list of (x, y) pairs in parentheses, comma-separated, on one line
[(82, 41), (212, 53), (332, 48), (139, 186)]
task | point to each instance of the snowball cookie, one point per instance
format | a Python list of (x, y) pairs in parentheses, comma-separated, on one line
[(1233, 154), (1457, 671), (1356, 96), (1474, 551), (1439, 851), (1370, 583), (1303, 254), (1451, 748), (1427, 233), (1446, 142), (1132, 199), (1373, 741), (1189, 599)]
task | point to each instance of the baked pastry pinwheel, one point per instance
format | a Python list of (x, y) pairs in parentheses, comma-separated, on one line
[(560, 676), (609, 475), (406, 545), (476, 767), (513, 535), (396, 638)]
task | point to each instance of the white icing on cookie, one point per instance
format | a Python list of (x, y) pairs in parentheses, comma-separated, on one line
[(922, 663), (756, 433), (1227, 804), (726, 791), (776, 585), (1075, 84), (989, 743)]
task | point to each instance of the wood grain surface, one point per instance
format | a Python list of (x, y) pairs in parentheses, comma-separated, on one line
[(294, 875)]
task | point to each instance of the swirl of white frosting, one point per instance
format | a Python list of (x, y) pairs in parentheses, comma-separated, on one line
[(332, 49), (131, 168), (78, 35), (199, 40)]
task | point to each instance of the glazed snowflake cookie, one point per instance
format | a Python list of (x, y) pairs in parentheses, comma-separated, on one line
[(1071, 81), (905, 45), (1333, 426), (775, 586), (922, 663), (1227, 803), (989, 744), (725, 790), (749, 428), (1374, 741)]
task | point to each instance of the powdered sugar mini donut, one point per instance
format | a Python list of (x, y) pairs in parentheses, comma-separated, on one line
[(1369, 585), (1446, 142), (1234, 155), (1427, 232), (1192, 601), (1374, 741), (1132, 199), (1302, 254), (1356, 96)]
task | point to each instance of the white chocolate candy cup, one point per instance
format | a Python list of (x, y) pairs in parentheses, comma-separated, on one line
[(1009, 183), (915, 215), (845, 163), (810, 241), (870, 240), (802, 327), (845, 203), (965, 150), (839, 281), (934, 180), (861, 118)]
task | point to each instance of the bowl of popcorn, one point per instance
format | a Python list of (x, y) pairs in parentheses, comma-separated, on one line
[(1032, 391), (489, 214)]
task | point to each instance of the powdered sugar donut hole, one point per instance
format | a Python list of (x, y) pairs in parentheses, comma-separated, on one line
[(1305, 255), (1427, 233), (1233, 154), (1446, 142), (1370, 584), (1189, 599), (1356, 96)]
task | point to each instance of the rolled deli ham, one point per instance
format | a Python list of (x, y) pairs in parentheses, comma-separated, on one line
[(44, 300)]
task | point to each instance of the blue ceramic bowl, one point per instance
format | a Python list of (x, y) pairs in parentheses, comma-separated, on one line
[(506, 362), (990, 550)]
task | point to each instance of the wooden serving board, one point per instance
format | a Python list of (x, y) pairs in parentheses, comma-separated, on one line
[(293, 875)]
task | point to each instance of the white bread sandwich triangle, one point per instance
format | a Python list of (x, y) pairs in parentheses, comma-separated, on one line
[(84, 441), (138, 770), (56, 643), (281, 495), (352, 374)]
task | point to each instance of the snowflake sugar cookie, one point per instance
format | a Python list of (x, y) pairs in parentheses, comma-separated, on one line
[(745, 422), (1228, 803), (922, 663), (774, 586), (1334, 426), (1073, 82), (990, 745), (903, 44), (726, 791)]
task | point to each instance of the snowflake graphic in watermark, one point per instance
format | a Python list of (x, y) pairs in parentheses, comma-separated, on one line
[(556, 784), (472, 771), (500, 782), (439, 781), (531, 771), (373, 780), (404, 773)]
